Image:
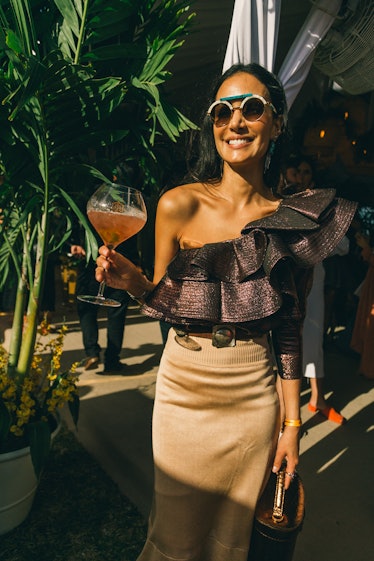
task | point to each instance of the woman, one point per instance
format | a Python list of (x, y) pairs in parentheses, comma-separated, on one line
[(230, 267)]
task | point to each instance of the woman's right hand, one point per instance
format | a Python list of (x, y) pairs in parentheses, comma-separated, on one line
[(119, 272)]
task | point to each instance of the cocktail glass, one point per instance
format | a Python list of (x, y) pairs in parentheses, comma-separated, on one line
[(117, 212)]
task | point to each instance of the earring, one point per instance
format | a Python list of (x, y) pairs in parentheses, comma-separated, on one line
[(269, 155)]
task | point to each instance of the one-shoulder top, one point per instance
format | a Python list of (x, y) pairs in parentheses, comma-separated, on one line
[(260, 280)]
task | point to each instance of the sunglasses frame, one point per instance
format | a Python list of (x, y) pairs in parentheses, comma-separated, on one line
[(246, 97)]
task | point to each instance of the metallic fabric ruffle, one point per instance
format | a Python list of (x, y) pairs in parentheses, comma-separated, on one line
[(260, 280), (248, 278)]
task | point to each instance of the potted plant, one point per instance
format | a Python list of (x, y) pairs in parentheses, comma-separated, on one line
[(69, 71), (30, 408)]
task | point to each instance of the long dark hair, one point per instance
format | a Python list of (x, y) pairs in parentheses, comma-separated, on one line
[(208, 164)]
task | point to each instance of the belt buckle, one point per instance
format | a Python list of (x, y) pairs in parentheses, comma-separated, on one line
[(223, 336), (184, 340)]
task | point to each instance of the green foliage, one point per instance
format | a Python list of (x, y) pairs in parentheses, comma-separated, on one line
[(81, 90), (30, 404)]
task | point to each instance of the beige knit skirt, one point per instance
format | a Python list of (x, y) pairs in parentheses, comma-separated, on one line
[(215, 427)]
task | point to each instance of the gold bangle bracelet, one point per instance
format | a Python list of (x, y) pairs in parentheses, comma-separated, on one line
[(292, 423)]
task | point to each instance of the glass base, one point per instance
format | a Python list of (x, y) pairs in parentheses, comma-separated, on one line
[(99, 300)]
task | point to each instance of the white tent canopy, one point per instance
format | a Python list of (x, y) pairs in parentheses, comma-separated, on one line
[(254, 34)]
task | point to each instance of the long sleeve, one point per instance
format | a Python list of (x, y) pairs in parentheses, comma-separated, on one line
[(287, 336)]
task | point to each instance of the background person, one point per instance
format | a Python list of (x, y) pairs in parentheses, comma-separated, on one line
[(116, 317), (313, 338), (289, 176), (314, 323), (228, 270), (363, 331)]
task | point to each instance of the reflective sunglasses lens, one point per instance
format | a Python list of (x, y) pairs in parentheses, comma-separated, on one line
[(221, 114), (253, 109)]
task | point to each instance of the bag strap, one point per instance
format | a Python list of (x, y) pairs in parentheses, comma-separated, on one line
[(277, 515)]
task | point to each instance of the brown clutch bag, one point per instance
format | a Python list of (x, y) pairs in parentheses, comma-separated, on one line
[(278, 520)]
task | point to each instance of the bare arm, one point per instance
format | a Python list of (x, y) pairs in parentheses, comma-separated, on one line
[(288, 443)]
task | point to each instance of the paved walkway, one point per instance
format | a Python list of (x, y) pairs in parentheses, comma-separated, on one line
[(336, 462)]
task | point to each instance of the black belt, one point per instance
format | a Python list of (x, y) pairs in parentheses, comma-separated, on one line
[(221, 335)]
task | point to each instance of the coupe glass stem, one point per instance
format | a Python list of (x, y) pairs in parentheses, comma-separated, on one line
[(100, 293)]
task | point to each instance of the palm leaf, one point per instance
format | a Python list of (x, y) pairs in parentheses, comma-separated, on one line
[(25, 25)]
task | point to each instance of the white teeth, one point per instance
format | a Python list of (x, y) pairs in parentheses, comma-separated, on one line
[(236, 141)]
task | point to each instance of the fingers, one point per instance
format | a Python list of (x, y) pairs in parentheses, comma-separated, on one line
[(290, 472), (105, 259), (77, 250), (287, 455), (102, 263), (99, 274), (105, 251), (111, 267), (290, 476)]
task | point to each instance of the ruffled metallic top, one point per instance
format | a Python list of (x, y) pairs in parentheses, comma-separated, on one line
[(260, 280)]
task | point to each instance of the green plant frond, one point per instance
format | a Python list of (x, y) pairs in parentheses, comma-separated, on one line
[(169, 15), (91, 243), (108, 20), (91, 171), (89, 97), (3, 20), (12, 42), (90, 140), (175, 117), (67, 42), (169, 118), (160, 54), (5, 270), (72, 12), (116, 52), (9, 251), (31, 206), (32, 81), (11, 95), (61, 233), (71, 203), (62, 75), (25, 24), (108, 13), (73, 103)]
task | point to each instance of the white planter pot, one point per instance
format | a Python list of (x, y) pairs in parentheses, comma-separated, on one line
[(18, 486)]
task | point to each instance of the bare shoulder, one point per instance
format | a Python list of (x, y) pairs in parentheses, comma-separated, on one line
[(180, 202)]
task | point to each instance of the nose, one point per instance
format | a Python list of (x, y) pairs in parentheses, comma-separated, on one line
[(236, 118)]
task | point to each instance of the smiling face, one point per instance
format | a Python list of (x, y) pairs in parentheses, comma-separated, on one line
[(242, 142)]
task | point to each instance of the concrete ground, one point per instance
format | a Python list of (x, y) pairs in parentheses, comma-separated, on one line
[(336, 461)]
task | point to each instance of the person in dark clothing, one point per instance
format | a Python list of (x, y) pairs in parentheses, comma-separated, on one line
[(88, 313)]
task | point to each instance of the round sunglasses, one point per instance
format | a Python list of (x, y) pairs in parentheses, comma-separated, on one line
[(252, 108)]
